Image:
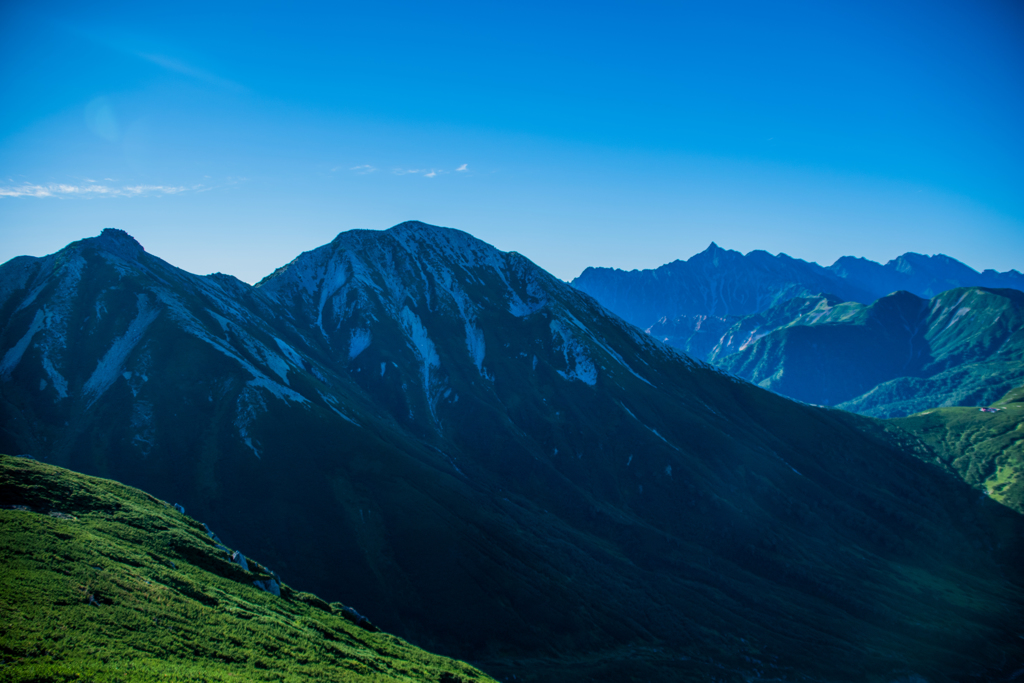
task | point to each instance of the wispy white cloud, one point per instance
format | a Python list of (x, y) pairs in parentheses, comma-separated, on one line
[(363, 169), (427, 173), (140, 47), (93, 190), (184, 69)]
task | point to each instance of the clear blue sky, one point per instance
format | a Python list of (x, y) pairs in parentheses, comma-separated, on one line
[(232, 138)]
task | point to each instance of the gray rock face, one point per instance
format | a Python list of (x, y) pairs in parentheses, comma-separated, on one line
[(270, 586), (240, 559)]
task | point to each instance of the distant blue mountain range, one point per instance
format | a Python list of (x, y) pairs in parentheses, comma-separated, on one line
[(881, 340), (725, 283)]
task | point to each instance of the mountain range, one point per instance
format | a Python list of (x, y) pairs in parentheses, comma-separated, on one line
[(857, 335), (491, 464), (727, 284), (897, 356)]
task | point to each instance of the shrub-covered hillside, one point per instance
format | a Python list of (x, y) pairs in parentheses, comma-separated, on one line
[(983, 446), (102, 582)]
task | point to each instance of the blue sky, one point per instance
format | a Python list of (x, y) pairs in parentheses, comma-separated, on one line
[(232, 138)]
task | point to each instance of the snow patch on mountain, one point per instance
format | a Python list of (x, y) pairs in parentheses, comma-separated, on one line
[(249, 406), (447, 284), (60, 385), (959, 314), (109, 367), (332, 403), (359, 342), (477, 349), (254, 347), (424, 349), (604, 347), (178, 312), (27, 301), (645, 426), (290, 353), (14, 354), (334, 279), (536, 298), (578, 364)]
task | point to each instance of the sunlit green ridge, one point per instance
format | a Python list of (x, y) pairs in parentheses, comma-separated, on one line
[(102, 582), (984, 447)]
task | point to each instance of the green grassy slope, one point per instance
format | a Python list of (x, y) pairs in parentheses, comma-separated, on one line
[(103, 582), (985, 449)]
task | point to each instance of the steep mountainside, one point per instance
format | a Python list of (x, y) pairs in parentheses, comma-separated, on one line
[(696, 335), (102, 582), (799, 311), (489, 463), (984, 447), (725, 284), (899, 355)]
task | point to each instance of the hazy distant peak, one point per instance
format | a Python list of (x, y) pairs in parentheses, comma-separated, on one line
[(714, 254)]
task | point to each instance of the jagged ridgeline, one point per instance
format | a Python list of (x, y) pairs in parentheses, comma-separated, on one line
[(883, 341), (898, 356), (102, 582), (487, 462)]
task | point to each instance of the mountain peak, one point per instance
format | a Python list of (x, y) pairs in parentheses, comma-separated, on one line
[(426, 231), (713, 253), (415, 225), (119, 243)]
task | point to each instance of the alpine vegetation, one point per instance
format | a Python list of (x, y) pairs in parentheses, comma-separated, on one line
[(103, 582)]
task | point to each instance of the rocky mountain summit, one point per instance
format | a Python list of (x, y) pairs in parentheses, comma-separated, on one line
[(496, 467)]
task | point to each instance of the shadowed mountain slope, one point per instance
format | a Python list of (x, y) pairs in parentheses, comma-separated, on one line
[(899, 355), (486, 461), (103, 582)]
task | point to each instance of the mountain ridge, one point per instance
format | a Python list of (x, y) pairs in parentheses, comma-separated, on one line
[(635, 296), (496, 467), (899, 355)]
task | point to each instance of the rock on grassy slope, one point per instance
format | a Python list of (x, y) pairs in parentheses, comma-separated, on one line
[(102, 582), (984, 448), (489, 463)]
